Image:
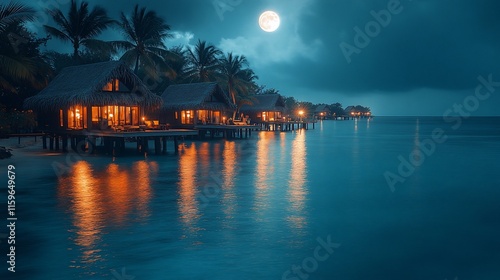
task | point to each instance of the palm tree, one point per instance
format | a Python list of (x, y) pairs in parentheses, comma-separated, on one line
[(203, 62), (14, 12), (19, 66), (240, 79), (177, 65), (80, 26), (144, 33)]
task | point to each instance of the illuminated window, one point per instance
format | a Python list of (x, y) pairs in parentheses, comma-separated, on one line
[(61, 118), (187, 117), (113, 85), (77, 117), (115, 115), (95, 114), (216, 117), (203, 116)]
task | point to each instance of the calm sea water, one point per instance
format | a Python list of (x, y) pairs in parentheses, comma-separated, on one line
[(264, 207)]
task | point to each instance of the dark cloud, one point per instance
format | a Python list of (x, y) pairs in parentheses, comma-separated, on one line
[(431, 44), (434, 44)]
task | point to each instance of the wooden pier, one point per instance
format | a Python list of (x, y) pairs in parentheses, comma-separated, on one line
[(226, 131), (286, 126), (22, 135), (113, 143)]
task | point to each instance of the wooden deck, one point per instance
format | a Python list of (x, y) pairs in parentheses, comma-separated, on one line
[(145, 133), (225, 126), (113, 142), (286, 125), (22, 135), (227, 131)]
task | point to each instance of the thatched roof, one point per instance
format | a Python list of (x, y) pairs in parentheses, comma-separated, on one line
[(321, 108), (82, 85), (349, 109), (197, 96), (265, 103)]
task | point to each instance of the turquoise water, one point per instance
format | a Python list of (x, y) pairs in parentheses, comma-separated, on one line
[(311, 204)]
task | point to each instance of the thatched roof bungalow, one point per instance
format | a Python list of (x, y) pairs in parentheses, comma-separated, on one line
[(93, 96), (322, 111), (265, 108), (185, 105)]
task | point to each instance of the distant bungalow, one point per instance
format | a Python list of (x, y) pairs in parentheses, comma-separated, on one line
[(265, 108), (322, 111), (350, 111), (93, 96), (187, 105), (355, 112)]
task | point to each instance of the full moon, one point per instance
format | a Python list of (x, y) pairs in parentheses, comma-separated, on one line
[(269, 21)]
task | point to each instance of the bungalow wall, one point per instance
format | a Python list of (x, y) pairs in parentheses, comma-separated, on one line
[(90, 117), (265, 116), (190, 118)]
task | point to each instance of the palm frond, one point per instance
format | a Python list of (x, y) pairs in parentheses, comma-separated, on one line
[(21, 68), (14, 12), (99, 45), (57, 33)]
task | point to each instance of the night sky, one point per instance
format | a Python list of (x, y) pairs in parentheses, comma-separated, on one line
[(421, 61)]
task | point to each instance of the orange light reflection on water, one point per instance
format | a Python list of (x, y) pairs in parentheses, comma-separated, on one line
[(265, 169), (118, 192), (188, 205), (87, 210), (297, 184), (229, 172), (107, 197)]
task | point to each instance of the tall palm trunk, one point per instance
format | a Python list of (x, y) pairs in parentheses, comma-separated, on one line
[(76, 46), (136, 69), (233, 98)]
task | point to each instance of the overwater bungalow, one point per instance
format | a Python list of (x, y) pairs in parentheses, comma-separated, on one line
[(322, 112), (97, 96), (265, 108), (188, 105), (351, 112)]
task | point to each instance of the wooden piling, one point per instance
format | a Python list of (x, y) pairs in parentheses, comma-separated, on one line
[(44, 142), (57, 142), (65, 143), (51, 142), (164, 148), (157, 145), (176, 145)]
